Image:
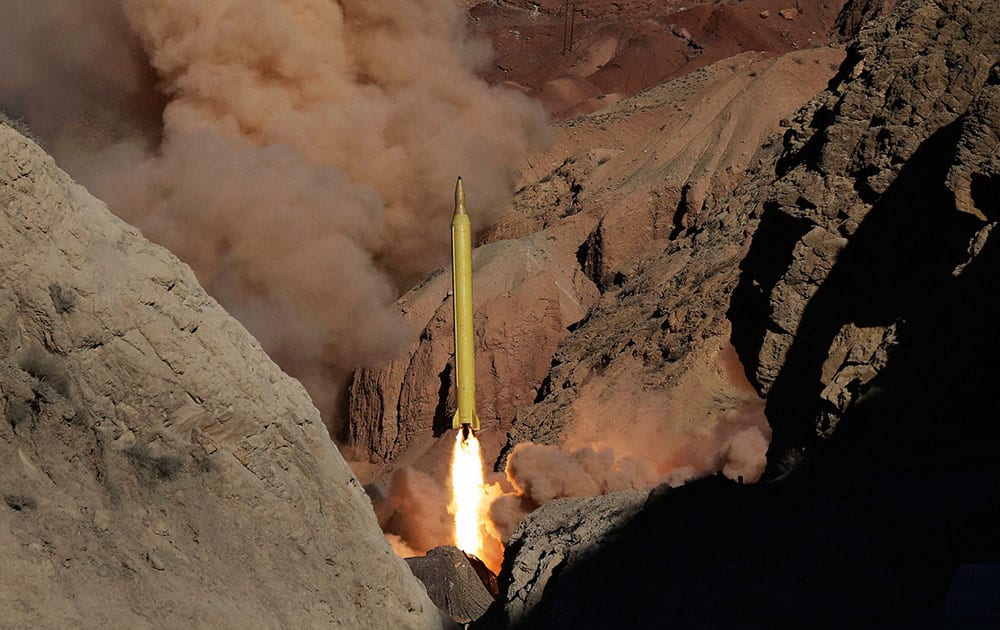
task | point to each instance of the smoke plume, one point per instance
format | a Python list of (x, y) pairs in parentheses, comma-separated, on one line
[(299, 154), (625, 437), (413, 512), (699, 422), (540, 474), (543, 473)]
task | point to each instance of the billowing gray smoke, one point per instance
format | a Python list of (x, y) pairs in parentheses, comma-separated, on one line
[(299, 154)]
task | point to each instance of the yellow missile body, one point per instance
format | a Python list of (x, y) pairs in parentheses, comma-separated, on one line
[(461, 284)]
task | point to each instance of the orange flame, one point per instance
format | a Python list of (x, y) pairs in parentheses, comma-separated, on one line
[(468, 492)]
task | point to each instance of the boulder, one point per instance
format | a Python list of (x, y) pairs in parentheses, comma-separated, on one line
[(454, 582)]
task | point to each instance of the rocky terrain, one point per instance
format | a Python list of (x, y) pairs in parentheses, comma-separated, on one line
[(748, 255), (839, 158), (840, 551), (608, 51), (616, 188), (455, 582), (557, 536), (158, 469), (572, 282), (875, 246), (862, 314)]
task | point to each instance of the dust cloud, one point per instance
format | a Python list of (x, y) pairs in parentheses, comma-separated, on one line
[(413, 512), (300, 155), (540, 473), (625, 436)]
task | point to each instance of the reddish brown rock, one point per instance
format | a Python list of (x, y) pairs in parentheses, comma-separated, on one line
[(665, 251), (872, 271), (640, 178), (616, 49), (527, 293), (857, 12)]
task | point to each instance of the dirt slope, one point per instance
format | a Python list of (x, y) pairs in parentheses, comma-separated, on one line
[(613, 50)]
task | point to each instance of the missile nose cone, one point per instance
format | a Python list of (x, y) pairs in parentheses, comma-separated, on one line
[(459, 198)]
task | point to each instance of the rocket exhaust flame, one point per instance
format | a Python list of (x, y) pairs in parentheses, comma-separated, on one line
[(467, 492)]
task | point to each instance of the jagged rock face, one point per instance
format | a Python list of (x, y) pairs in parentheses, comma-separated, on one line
[(666, 254), (836, 551), (645, 177), (158, 469), (857, 13), (553, 540), (867, 305), (863, 293)]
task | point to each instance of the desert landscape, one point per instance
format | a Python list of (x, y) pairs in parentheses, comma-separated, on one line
[(733, 305)]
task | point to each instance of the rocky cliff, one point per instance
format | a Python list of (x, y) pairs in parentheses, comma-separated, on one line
[(865, 313), (843, 551), (855, 13), (863, 310), (158, 469), (557, 538), (667, 269)]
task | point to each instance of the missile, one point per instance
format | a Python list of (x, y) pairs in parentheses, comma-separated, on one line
[(461, 284)]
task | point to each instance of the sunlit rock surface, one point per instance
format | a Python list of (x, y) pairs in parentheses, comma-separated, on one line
[(158, 470)]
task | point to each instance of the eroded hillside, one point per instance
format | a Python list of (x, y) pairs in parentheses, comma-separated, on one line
[(159, 470), (864, 314)]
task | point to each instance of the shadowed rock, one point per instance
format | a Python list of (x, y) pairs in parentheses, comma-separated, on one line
[(454, 582), (553, 540), (861, 301), (867, 315)]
